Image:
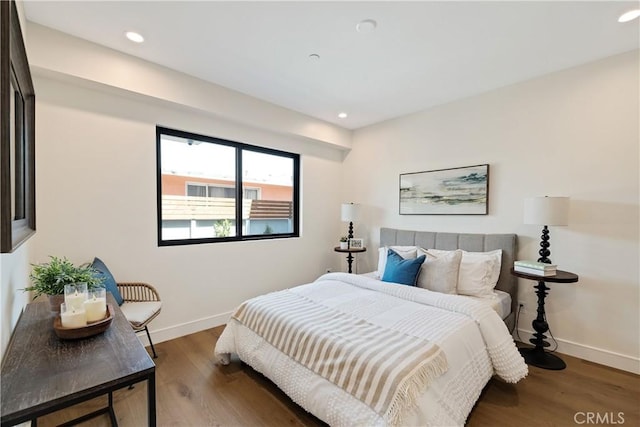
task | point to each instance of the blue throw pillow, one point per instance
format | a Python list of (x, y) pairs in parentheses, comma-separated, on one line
[(109, 282), (400, 270)]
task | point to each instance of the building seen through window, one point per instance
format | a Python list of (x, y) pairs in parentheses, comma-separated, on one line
[(217, 190)]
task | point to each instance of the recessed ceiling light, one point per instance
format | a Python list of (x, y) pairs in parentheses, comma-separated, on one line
[(366, 26), (314, 56), (343, 115), (134, 37), (629, 16)]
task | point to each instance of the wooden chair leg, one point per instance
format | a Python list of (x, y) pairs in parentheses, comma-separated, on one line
[(155, 356)]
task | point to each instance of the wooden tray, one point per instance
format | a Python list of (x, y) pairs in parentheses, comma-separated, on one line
[(93, 328)]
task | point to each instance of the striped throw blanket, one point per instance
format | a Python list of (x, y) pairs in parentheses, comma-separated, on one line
[(384, 369)]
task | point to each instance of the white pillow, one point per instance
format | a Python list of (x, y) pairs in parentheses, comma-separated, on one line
[(406, 252), (439, 272), (479, 272)]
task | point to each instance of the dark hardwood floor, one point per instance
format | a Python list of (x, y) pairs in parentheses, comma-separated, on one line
[(193, 391)]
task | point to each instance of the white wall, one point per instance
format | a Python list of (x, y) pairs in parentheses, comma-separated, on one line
[(14, 274), (96, 181), (572, 133)]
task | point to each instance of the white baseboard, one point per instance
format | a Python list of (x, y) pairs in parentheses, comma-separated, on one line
[(592, 354), (177, 331)]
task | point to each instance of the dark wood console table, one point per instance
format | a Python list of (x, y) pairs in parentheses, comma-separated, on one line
[(42, 373), (536, 356), (349, 252)]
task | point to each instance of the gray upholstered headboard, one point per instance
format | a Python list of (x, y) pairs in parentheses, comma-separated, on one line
[(468, 242)]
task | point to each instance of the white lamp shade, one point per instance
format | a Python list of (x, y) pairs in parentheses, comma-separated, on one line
[(349, 212), (546, 210)]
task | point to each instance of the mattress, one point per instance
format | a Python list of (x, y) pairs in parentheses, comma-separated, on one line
[(500, 301)]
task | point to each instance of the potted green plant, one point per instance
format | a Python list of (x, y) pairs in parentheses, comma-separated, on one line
[(50, 279), (344, 242)]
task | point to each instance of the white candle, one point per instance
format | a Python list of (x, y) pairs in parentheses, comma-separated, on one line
[(96, 308), (75, 300), (72, 318)]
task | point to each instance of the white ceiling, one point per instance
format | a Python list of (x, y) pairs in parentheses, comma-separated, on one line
[(422, 53)]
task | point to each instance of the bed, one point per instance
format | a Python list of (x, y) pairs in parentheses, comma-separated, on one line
[(354, 350), (508, 243)]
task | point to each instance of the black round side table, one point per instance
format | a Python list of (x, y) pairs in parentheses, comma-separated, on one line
[(349, 252), (536, 356)]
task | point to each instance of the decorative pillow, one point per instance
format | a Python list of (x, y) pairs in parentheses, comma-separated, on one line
[(400, 270), (439, 272), (406, 252), (109, 282), (479, 271)]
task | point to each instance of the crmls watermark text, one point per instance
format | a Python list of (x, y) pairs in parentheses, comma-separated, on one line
[(602, 418)]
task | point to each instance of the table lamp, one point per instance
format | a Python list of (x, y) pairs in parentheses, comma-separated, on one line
[(546, 211), (349, 214)]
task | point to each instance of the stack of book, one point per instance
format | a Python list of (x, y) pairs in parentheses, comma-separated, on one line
[(535, 268)]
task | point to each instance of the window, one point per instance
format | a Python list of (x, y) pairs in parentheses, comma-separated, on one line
[(251, 193), (203, 190), (212, 190)]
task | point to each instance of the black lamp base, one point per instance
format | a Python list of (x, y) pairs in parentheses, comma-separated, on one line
[(544, 251), (542, 359)]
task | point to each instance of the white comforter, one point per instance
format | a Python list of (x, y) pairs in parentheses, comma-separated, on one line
[(476, 342)]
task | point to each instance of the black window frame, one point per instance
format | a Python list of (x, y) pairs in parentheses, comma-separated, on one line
[(239, 147)]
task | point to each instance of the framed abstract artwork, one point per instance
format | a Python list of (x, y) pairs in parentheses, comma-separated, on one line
[(17, 134), (456, 191)]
